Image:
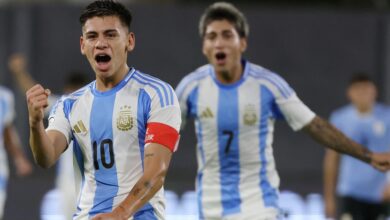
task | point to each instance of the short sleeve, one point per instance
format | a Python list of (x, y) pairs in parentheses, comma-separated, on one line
[(164, 119), (58, 118), (294, 111)]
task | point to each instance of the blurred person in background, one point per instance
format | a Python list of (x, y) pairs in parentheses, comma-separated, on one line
[(65, 179), (10, 142), (124, 125), (234, 104), (352, 188)]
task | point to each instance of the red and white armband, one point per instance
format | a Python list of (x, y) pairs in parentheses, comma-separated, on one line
[(163, 134)]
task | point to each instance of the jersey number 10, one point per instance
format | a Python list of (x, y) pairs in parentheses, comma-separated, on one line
[(103, 158)]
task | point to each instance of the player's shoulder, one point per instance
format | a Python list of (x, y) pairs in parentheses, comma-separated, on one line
[(197, 75), (146, 79), (155, 87), (77, 94), (194, 78), (261, 73)]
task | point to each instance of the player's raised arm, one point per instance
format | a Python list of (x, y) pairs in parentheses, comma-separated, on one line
[(46, 146), (326, 134)]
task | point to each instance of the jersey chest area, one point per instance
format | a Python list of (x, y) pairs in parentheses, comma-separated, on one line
[(231, 108), (106, 118)]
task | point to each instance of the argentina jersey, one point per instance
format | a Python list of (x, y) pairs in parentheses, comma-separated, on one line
[(108, 130), (234, 124)]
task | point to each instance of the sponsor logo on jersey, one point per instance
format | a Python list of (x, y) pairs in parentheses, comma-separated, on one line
[(250, 116), (79, 128), (207, 113), (125, 120)]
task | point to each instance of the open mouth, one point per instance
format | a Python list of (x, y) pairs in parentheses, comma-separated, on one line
[(220, 56), (102, 58)]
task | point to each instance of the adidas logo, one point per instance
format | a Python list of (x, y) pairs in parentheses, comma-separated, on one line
[(79, 128), (207, 113)]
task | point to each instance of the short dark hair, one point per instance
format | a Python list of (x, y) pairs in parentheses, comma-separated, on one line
[(221, 11), (359, 77), (102, 8)]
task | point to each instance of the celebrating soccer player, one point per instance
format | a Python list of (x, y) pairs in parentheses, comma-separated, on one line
[(235, 104), (124, 125)]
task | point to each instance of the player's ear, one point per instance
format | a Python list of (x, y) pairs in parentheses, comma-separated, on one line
[(243, 44), (82, 45), (130, 42)]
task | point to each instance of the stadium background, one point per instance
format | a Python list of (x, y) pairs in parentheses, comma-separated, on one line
[(314, 45)]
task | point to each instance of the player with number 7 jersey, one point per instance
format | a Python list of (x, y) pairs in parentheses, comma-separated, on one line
[(109, 159)]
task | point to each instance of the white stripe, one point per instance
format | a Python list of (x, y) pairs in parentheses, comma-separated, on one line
[(211, 192), (249, 143)]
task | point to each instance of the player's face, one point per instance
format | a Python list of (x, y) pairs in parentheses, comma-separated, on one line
[(105, 42), (362, 95), (223, 46)]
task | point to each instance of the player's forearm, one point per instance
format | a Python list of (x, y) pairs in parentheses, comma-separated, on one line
[(331, 164), (41, 146), (156, 163), (331, 137), (141, 193)]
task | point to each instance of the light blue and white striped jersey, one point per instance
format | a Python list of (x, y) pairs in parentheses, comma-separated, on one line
[(7, 115), (237, 178), (373, 131), (108, 132)]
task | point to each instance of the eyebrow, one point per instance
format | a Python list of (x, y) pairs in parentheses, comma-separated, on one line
[(105, 32)]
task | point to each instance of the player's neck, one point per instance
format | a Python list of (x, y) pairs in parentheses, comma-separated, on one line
[(364, 109), (106, 83), (230, 76)]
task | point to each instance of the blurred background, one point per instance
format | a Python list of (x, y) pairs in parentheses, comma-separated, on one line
[(314, 44)]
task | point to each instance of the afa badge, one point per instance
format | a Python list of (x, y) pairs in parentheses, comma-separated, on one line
[(125, 120), (250, 116)]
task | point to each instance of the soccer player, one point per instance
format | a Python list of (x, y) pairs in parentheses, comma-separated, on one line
[(64, 182), (124, 125), (367, 122), (9, 140), (234, 104)]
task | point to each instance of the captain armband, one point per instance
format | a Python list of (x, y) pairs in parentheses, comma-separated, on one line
[(163, 134)]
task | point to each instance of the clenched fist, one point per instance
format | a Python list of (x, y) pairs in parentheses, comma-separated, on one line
[(37, 101)]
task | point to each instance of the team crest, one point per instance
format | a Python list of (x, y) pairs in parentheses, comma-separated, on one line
[(250, 116), (124, 122)]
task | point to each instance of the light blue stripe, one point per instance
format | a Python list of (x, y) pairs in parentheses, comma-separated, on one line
[(80, 162), (145, 213), (164, 85), (199, 192), (151, 85), (270, 196), (144, 103), (100, 130), (229, 161), (192, 104), (158, 83), (3, 183)]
